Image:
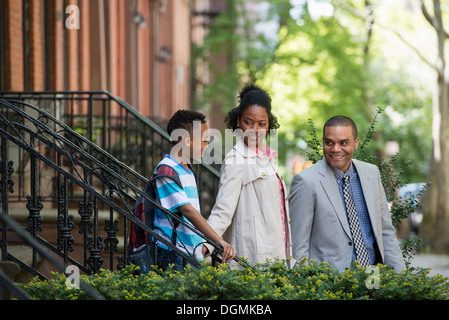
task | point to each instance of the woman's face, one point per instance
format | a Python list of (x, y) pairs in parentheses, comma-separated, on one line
[(254, 124)]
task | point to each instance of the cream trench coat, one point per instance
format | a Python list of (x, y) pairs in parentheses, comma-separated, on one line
[(247, 209)]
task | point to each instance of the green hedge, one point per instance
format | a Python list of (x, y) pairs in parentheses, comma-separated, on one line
[(265, 281)]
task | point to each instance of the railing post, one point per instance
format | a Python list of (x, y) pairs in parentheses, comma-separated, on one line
[(7, 184), (95, 261), (111, 241), (65, 221), (34, 206), (123, 260), (85, 225)]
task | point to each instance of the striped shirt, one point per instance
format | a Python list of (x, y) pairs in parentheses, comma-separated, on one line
[(171, 197)]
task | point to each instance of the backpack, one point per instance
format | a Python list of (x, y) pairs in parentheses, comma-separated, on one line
[(141, 247)]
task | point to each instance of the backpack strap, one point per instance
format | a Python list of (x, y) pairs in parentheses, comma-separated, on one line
[(162, 171)]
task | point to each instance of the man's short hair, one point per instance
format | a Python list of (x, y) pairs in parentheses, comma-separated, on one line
[(184, 119), (341, 121)]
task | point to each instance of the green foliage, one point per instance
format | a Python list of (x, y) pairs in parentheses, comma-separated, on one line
[(409, 247), (316, 147), (234, 52), (369, 134), (270, 281)]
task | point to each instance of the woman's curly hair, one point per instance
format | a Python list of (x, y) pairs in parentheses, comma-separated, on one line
[(250, 95)]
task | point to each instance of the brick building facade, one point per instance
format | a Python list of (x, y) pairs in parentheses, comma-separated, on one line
[(139, 50)]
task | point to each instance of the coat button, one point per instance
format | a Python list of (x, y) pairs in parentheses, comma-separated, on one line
[(263, 174), (349, 243)]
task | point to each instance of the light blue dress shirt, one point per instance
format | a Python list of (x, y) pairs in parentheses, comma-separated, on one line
[(356, 191)]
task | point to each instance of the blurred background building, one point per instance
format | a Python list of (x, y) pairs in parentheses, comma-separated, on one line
[(139, 50), (61, 56)]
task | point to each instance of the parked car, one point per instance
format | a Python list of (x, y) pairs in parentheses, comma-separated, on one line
[(416, 217)]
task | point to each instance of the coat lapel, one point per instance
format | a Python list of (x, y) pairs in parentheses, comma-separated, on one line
[(367, 184), (330, 187)]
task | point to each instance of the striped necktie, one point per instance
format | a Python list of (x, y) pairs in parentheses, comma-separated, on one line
[(360, 249)]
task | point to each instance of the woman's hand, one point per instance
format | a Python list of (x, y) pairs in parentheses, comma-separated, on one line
[(228, 251)]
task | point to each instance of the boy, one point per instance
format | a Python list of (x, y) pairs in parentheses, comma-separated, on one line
[(185, 199)]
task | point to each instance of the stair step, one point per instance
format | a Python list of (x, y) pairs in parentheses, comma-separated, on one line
[(13, 271), (10, 268)]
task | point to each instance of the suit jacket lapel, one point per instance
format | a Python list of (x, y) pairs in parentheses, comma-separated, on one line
[(331, 189), (367, 184)]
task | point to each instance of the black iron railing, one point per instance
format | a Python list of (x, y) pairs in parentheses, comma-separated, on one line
[(111, 124), (19, 293), (106, 187)]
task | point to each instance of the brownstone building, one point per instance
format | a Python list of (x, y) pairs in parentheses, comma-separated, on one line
[(139, 50)]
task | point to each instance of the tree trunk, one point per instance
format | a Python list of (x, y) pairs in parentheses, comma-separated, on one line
[(436, 204), (435, 229)]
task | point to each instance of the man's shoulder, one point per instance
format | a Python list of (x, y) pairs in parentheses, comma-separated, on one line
[(365, 167)]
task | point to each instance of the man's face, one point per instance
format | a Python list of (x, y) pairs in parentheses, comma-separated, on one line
[(339, 145)]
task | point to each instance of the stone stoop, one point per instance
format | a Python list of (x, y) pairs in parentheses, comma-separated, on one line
[(13, 271)]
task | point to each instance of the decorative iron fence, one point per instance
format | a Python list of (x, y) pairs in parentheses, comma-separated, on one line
[(106, 191), (114, 126), (19, 293)]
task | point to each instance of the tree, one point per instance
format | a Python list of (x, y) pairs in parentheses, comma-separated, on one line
[(436, 205), (234, 52), (319, 66), (322, 68)]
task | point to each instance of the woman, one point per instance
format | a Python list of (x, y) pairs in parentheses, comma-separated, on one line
[(250, 210)]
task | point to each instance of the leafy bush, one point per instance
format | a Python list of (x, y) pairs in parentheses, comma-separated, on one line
[(273, 280), (270, 281)]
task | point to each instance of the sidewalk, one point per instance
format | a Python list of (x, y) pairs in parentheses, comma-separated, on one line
[(437, 262)]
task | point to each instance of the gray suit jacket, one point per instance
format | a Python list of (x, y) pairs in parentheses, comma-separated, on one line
[(319, 225)]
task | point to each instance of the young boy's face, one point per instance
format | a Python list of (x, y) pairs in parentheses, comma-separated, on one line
[(199, 143), (191, 145)]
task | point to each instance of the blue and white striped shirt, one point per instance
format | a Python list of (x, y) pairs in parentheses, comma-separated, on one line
[(171, 197), (355, 188)]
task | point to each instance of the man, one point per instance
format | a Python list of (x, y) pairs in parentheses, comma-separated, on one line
[(339, 212)]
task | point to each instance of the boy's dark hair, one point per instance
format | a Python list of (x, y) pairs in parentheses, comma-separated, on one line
[(183, 119), (251, 95), (341, 121)]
